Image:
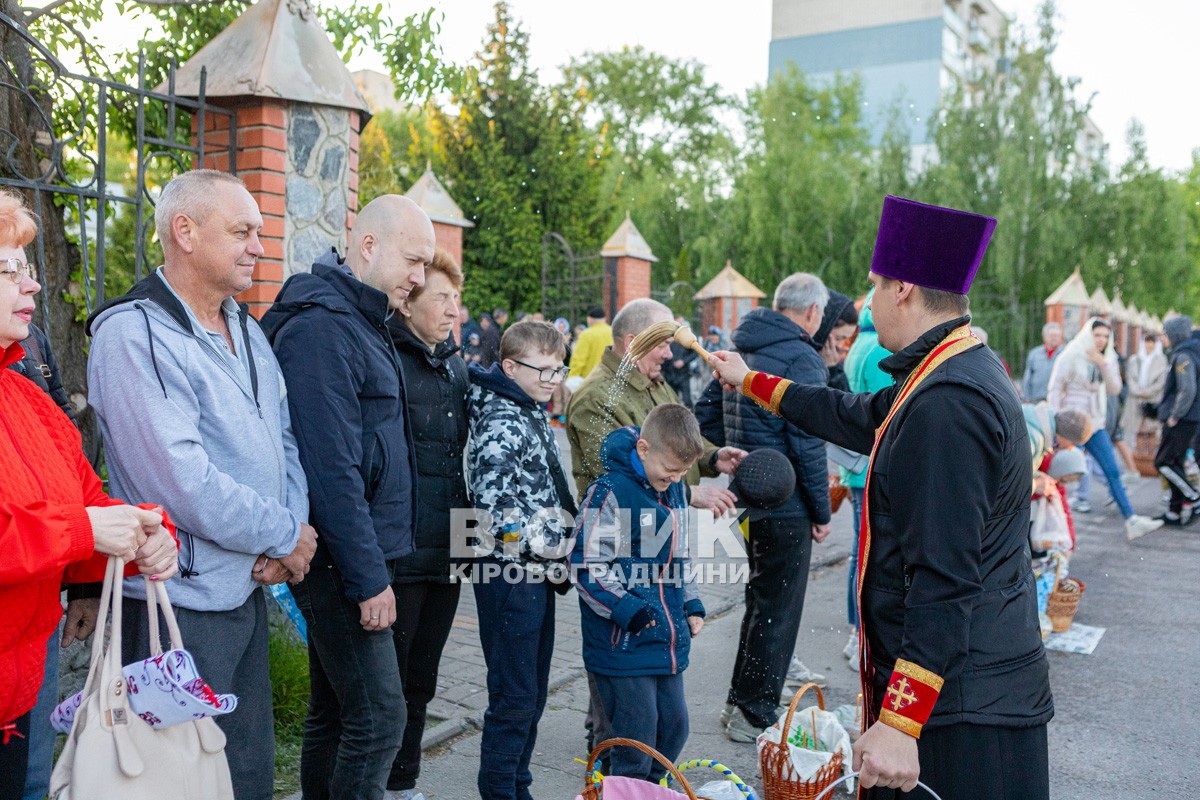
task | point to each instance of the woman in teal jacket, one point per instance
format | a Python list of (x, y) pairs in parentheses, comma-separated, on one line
[(864, 375)]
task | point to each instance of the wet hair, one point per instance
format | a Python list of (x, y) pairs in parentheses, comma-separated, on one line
[(673, 428), (444, 263), (190, 194), (17, 225), (530, 336)]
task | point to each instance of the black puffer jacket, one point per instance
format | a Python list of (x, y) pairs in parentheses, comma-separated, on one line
[(770, 342), (436, 385)]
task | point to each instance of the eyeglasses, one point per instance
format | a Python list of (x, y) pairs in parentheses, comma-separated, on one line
[(17, 270), (548, 374)]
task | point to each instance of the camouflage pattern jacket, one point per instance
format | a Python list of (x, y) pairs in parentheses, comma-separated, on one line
[(516, 475)]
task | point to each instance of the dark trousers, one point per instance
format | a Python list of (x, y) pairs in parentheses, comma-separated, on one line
[(424, 615), (1169, 460), (14, 757), (973, 762), (650, 709), (356, 707), (41, 735), (230, 649), (779, 553), (516, 629)]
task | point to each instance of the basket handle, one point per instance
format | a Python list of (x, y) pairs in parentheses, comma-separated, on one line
[(589, 779), (787, 723), (828, 790)]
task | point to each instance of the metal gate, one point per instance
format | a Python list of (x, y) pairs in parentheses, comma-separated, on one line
[(60, 164), (571, 284), (55, 127)]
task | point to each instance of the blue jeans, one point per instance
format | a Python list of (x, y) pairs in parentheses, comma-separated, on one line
[(41, 735), (856, 500), (650, 709), (1100, 447), (356, 711), (516, 630)]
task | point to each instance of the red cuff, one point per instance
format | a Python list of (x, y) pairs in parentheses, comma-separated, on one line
[(910, 697), (766, 390), (79, 528)]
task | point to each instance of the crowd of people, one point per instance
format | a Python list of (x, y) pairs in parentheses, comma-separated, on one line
[(329, 445)]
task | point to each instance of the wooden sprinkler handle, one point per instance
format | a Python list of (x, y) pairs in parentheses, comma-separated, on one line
[(685, 337)]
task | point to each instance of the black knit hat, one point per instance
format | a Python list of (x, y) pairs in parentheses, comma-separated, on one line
[(763, 482)]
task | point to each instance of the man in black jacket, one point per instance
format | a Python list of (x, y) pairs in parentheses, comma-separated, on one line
[(329, 332), (776, 340), (955, 680), (1180, 415)]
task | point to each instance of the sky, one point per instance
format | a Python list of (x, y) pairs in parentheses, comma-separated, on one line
[(1135, 62), (1133, 57)]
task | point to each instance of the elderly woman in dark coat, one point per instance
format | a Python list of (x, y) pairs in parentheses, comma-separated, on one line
[(436, 386)]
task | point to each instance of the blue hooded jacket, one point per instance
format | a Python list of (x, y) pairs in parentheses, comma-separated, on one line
[(629, 560)]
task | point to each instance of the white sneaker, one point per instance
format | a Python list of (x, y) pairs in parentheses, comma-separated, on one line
[(851, 648), (727, 713), (853, 662), (1138, 526), (1081, 507), (404, 794), (798, 675), (739, 729)]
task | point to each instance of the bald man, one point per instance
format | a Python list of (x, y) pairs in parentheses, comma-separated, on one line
[(328, 329)]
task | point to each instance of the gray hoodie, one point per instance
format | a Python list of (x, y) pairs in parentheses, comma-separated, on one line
[(185, 427)]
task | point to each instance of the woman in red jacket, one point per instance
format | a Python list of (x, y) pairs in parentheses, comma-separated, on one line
[(55, 519)]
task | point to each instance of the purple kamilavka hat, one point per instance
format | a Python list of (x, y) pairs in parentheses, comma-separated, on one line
[(931, 246)]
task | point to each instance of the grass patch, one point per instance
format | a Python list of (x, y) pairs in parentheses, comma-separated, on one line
[(289, 693)]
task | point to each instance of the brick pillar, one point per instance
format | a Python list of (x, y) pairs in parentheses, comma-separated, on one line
[(625, 278), (300, 163), (449, 238)]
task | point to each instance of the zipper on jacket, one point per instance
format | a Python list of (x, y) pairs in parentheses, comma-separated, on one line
[(662, 597)]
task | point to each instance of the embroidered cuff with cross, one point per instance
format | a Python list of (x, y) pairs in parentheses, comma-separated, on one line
[(911, 695)]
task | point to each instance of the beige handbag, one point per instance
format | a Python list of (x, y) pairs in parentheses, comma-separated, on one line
[(111, 752)]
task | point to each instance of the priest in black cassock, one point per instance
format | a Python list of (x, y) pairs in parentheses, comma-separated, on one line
[(955, 680)]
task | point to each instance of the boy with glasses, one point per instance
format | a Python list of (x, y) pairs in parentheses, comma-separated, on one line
[(518, 484)]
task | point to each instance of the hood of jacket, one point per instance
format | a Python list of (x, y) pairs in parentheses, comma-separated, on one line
[(330, 285), (1189, 345), (149, 288), (765, 328), (494, 380), (833, 309), (619, 454), (866, 320)]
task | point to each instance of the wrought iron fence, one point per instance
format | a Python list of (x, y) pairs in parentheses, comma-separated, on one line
[(54, 130)]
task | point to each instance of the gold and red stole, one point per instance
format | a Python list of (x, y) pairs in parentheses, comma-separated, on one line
[(913, 690)]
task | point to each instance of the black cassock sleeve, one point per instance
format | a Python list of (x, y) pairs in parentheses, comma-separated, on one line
[(844, 418)]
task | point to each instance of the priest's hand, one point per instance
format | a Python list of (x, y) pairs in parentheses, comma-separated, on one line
[(887, 757), (728, 368)]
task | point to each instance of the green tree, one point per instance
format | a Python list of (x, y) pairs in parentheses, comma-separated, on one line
[(672, 152), (804, 201), (522, 162)]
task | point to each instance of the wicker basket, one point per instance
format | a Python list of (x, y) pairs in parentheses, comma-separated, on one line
[(1145, 449), (775, 761), (1062, 605), (592, 787)]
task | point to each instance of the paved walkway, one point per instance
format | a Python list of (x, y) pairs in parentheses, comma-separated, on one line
[(462, 692)]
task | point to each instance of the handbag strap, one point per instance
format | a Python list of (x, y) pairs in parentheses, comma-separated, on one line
[(156, 594), (98, 636)]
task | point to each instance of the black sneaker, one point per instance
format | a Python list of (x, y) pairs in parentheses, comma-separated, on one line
[(1170, 520)]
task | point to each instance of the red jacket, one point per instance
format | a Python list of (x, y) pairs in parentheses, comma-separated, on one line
[(45, 532)]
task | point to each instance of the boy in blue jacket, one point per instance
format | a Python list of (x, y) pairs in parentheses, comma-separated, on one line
[(639, 601)]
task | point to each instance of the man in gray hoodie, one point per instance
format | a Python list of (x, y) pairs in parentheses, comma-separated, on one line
[(193, 410)]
